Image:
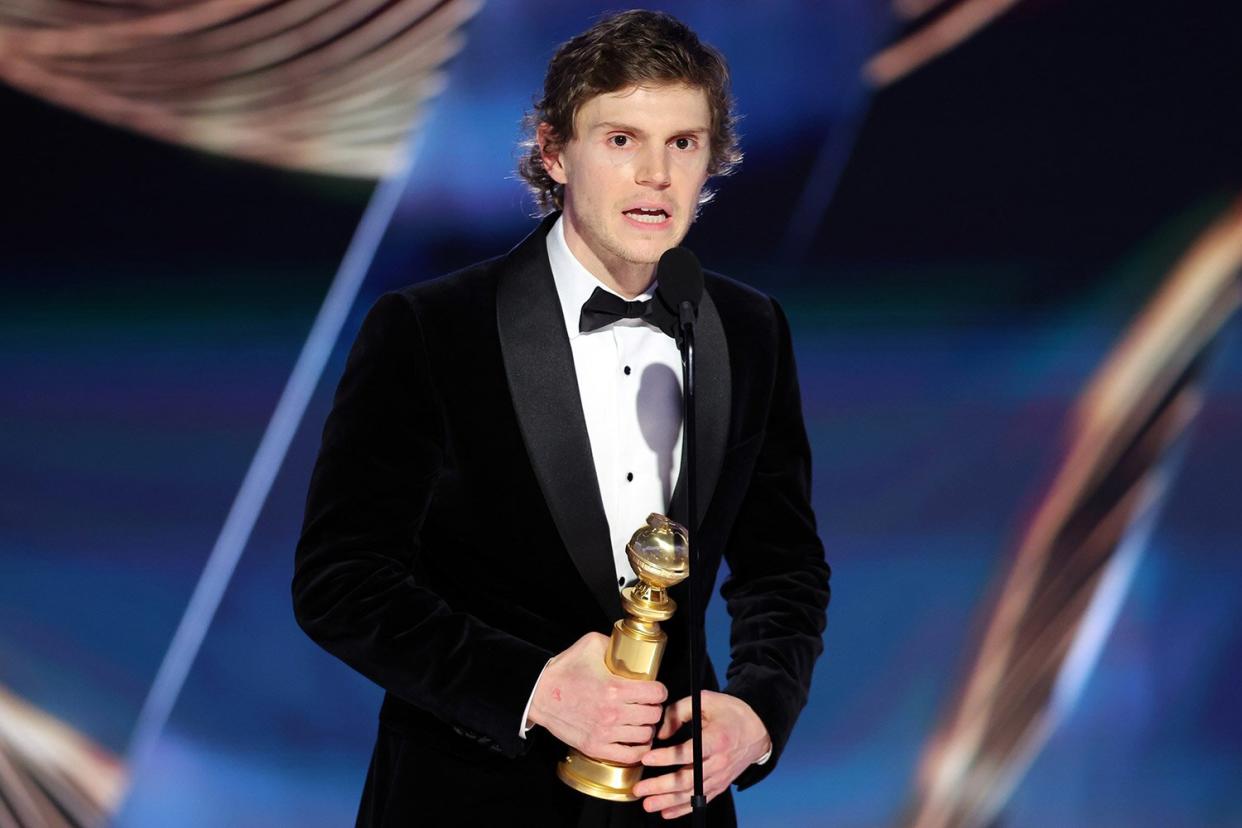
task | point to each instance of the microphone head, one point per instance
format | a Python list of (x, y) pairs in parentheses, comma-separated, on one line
[(681, 279)]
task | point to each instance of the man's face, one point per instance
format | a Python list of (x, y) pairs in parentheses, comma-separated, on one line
[(632, 174)]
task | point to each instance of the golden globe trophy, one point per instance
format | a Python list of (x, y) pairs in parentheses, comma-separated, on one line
[(660, 555)]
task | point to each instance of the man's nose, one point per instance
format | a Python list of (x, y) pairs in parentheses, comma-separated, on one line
[(653, 168)]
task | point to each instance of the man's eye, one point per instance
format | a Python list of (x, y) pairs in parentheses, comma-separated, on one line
[(684, 143), (619, 140)]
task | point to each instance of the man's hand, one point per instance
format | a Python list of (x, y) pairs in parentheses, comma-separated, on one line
[(733, 739), (587, 707)]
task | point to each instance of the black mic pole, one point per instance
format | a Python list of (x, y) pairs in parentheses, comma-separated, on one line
[(698, 802)]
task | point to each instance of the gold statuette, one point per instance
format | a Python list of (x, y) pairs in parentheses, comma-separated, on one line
[(660, 555)]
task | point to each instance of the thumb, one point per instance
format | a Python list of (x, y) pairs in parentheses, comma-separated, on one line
[(675, 716)]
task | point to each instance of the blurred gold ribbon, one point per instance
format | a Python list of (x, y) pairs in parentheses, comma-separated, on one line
[(315, 85)]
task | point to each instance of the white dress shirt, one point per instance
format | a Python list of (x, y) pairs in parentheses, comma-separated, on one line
[(629, 382)]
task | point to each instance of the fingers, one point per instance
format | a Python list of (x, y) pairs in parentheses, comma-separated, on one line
[(677, 811), (729, 740), (644, 714), (715, 740), (671, 792), (680, 781), (617, 709), (633, 691), (640, 692), (587, 707), (662, 791), (640, 735), (576, 692), (626, 691), (613, 752), (626, 743), (678, 754), (675, 717)]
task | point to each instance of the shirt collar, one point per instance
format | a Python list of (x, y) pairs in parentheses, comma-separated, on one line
[(574, 283)]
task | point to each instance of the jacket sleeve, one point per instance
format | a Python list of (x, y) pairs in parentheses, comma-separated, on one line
[(353, 588), (777, 591)]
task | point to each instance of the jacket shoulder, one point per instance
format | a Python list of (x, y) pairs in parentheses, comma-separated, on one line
[(456, 289), (739, 303)]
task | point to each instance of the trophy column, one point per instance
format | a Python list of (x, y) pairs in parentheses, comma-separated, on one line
[(659, 554)]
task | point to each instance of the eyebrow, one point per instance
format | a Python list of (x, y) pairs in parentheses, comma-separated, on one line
[(617, 125)]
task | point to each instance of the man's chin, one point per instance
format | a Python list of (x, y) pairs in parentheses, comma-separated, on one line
[(649, 254), (645, 259)]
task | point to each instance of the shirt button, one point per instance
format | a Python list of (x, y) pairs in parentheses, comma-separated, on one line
[(621, 582), (627, 370), (629, 476)]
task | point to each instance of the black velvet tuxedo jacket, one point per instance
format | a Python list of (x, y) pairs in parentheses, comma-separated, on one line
[(455, 538)]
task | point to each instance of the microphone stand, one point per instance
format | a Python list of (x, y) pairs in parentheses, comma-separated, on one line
[(685, 343)]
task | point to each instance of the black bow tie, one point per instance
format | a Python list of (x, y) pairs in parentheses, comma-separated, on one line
[(604, 308)]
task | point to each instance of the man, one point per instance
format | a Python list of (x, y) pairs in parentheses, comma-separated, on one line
[(492, 445)]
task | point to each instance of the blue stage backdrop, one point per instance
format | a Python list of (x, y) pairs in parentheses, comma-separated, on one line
[(1007, 236)]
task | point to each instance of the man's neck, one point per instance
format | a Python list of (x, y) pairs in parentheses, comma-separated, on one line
[(627, 279)]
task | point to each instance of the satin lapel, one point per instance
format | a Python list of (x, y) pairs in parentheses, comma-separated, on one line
[(714, 396), (544, 387)]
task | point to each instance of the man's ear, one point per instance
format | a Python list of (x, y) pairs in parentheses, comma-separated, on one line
[(550, 153)]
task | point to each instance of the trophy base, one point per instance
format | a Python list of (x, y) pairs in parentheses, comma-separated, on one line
[(599, 778)]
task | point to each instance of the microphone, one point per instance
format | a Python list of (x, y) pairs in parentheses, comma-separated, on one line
[(680, 278), (681, 288)]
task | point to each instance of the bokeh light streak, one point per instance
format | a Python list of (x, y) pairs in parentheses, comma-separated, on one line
[(257, 484), (941, 35), (1135, 410)]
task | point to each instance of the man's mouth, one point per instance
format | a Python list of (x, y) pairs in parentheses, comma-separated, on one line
[(645, 215)]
